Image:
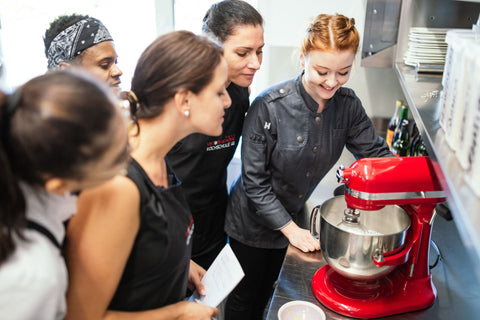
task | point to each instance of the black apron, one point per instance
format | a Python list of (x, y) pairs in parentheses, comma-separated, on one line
[(156, 272)]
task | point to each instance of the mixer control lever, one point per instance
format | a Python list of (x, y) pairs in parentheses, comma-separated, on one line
[(340, 173)]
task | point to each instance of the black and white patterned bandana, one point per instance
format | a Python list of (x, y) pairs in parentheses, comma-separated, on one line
[(72, 41)]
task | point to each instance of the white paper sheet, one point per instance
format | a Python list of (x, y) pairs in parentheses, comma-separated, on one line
[(221, 278)]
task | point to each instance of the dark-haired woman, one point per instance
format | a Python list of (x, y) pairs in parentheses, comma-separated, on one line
[(294, 133), (130, 242), (200, 161), (50, 146)]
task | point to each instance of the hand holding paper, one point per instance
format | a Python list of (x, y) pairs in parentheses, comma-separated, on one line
[(221, 278)]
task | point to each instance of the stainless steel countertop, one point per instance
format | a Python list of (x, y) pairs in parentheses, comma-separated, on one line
[(454, 277)]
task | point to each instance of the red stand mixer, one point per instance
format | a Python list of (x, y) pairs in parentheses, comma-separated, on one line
[(373, 184)]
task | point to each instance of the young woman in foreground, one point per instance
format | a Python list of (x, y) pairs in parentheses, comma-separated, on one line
[(130, 243)]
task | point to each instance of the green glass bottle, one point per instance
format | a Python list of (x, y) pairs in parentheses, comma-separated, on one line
[(420, 148), (401, 144)]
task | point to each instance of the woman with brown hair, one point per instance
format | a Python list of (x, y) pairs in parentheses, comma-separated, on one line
[(130, 242), (293, 134), (200, 160)]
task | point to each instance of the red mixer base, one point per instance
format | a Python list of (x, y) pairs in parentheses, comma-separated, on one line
[(392, 294)]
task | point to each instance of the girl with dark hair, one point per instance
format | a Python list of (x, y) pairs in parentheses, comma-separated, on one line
[(50, 146), (201, 161), (130, 242), (294, 133)]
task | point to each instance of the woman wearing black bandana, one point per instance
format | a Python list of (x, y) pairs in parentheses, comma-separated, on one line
[(79, 41)]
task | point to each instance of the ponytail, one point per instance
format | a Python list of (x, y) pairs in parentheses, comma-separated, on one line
[(133, 104), (12, 202), (350, 24)]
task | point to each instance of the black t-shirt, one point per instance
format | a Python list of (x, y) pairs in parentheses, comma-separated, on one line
[(200, 162), (156, 273)]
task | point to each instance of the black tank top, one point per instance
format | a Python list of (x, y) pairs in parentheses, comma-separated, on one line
[(156, 272)]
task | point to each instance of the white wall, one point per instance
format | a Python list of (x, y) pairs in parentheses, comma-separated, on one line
[(285, 23), (131, 24)]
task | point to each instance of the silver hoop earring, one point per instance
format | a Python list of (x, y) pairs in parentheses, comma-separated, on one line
[(186, 113)]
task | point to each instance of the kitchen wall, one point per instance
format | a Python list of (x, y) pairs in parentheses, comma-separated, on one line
[(131, 23), (285, 23)]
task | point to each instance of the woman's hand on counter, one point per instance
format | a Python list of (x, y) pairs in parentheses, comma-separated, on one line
[(300, 238)]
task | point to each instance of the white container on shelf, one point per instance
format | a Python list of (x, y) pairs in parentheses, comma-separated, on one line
[(472, 174), (469, 154), (455, 85), (446, 83), (460, 110), (449, 81), (467, 130)]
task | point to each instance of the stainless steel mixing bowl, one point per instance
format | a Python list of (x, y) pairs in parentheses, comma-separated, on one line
[(349, 247)]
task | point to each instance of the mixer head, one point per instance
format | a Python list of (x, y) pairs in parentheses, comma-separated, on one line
[(371, 183)]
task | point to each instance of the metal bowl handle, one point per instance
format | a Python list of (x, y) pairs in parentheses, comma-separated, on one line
[(313, 222), (398, 256), (339, 174)]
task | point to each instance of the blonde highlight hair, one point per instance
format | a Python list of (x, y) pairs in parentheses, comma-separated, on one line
[(331, 32)]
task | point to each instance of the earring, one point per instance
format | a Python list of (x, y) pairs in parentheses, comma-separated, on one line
[(186, 113)]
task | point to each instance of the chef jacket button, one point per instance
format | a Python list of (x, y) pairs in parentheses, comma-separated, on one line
[(282, 91), (317, 119), (315, 149), (299, 139), (308, 174), (300, 196)]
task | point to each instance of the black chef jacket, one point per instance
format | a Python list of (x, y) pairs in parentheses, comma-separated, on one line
[(287, 149), (200, 162)]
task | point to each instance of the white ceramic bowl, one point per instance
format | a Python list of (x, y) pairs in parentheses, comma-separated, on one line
[(300, 310)]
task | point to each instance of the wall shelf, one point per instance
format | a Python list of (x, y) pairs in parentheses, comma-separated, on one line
[(423, 94)]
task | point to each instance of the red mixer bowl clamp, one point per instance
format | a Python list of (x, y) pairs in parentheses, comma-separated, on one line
[(401, 255)]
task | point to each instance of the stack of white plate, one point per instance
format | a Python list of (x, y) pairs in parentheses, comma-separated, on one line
[(426, 46)]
